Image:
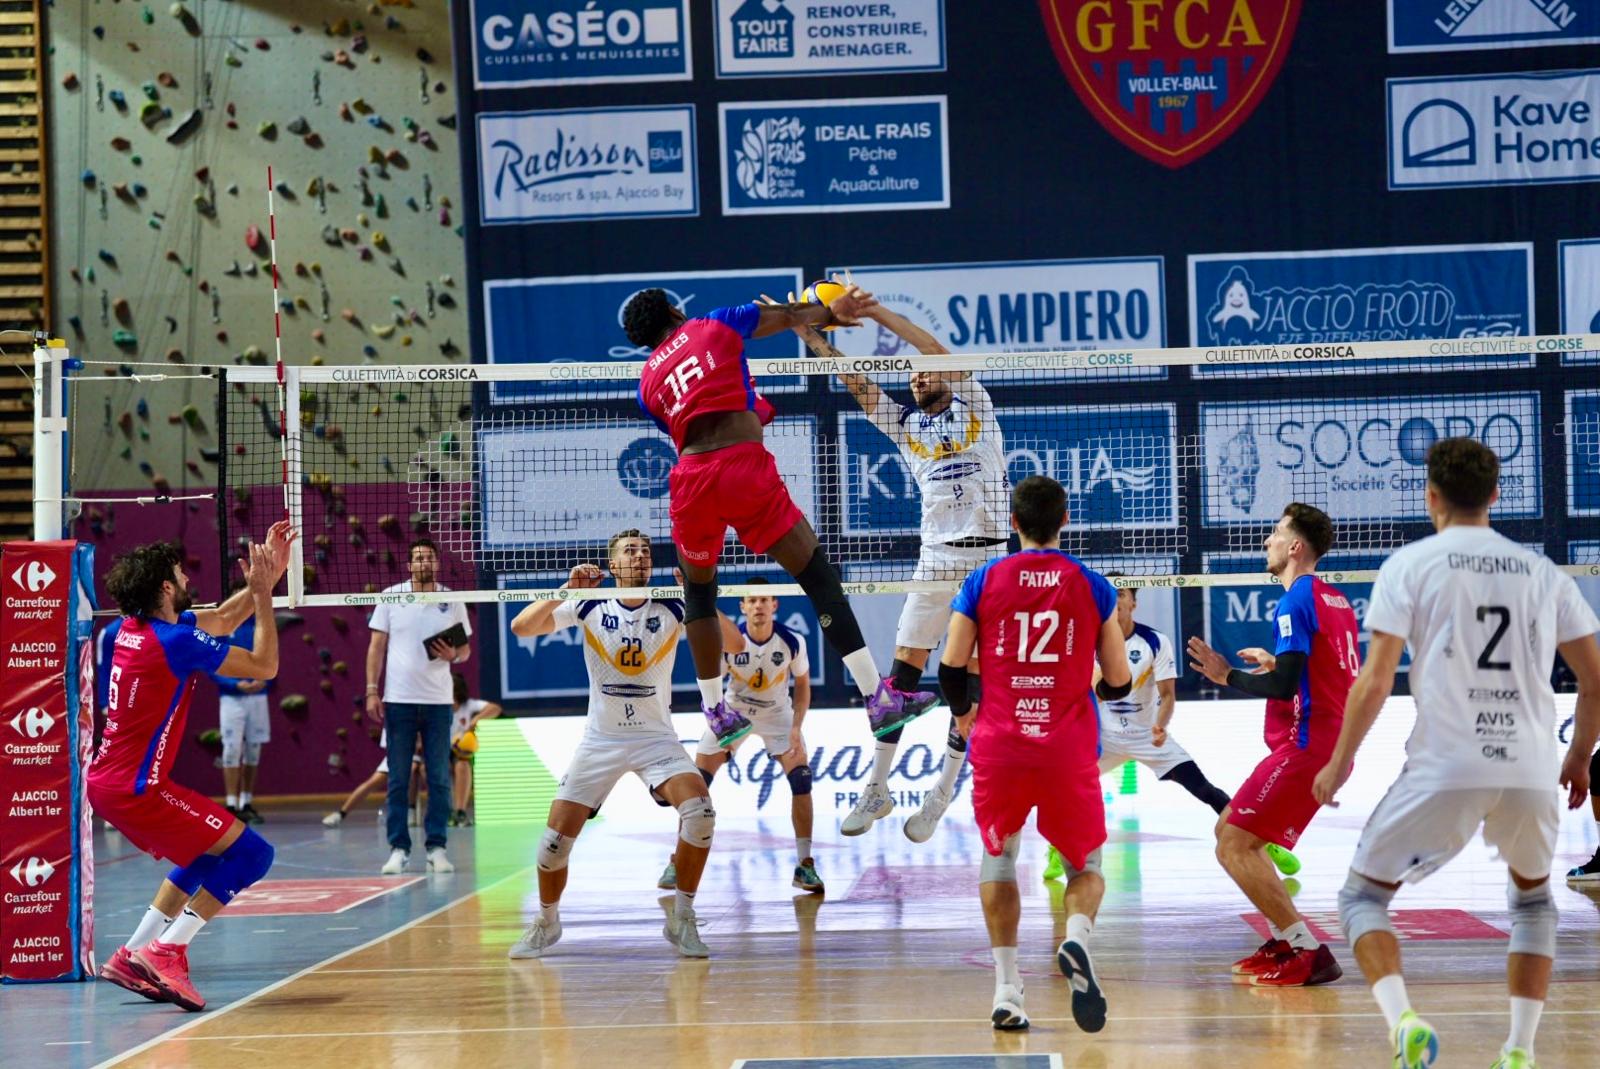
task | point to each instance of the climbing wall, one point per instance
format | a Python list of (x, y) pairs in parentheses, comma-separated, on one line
[(164, 119)]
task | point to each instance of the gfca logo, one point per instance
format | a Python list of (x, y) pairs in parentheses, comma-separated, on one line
[(34, 576), (32, 872), (1171, 79), (33, 723)]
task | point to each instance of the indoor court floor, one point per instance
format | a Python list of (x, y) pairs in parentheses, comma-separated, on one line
[(891, 968)]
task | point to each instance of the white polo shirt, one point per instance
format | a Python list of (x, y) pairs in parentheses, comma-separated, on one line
[(408, 674)]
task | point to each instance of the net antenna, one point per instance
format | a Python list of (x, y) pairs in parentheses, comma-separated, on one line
[(291, 501)]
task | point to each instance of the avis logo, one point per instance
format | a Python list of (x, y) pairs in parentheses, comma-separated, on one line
[(32, 872), (33, 723), (33, 576)]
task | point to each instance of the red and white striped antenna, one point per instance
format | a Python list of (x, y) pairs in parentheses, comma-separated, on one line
[(277, 337)]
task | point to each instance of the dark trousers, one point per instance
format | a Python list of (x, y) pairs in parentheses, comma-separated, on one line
[(404, 722)]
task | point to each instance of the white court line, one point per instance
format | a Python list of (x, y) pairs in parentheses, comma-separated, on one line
[(268, 931), (203, 1018), (833, 1022), (69, 1043)]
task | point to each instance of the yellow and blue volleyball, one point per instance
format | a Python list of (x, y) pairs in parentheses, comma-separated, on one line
[(823, 293)]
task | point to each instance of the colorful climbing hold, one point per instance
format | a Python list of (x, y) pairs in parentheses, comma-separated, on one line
[(268, 130), (253, 240)]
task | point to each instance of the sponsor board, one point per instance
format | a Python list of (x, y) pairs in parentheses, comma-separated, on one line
[(569, 42), (842, 156), (575, 484), (1587, 553), (552, 666), (1171, 81), (1494, 130), (1027, 306), (1583, 453), (1579, 269), (1444, 25), (587, 163), (1118, 464), (785, 38), (1360, 459), (1480, 293), (579, 319)]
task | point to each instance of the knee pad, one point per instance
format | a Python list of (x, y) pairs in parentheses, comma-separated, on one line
[(553, 850), (800, 780), (1002, 868), (1364, 907), (252, 753), (820, 580), (1533, 920), (1594, 768), (708, 776), (953, 739), (240, 865), (232, 749), (1091, 865), (697, 821), (699, 600), (187, 878)]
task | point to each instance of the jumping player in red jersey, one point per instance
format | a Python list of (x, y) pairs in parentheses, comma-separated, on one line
[(697, 387), (1039, 619), (160, 648), (1305, 681)]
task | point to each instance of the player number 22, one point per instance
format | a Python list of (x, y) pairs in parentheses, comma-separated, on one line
[(631, 655), (1048, 621)]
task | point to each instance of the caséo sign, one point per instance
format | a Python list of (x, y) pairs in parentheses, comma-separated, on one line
[(555, 42), (1360, 459), (1118, 464)]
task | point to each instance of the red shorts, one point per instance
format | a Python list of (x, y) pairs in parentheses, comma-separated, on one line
[(736, 487), (1072, 813), (167, 820), (1275, 803)]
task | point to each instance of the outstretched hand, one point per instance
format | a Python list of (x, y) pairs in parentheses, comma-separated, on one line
[(1208, 662)]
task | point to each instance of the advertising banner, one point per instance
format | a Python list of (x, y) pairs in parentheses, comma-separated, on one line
[(571, 42), (1579, 269), (788, 38), (1583, 453), (1444, 25)]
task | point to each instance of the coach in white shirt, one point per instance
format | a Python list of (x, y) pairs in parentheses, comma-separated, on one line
[(415, 699)]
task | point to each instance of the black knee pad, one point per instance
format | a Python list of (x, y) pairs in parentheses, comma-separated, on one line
[(699, 600), (707, 776), (820, 580), (800, 780)]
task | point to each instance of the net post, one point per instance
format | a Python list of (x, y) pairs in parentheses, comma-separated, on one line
[(49, 441), (294, 499), (222, 476)]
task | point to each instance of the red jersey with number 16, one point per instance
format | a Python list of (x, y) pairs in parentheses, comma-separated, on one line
[(701, 369)]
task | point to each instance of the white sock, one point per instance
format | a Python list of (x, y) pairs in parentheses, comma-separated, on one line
[(1392, 998), (150, 925), (1277, 933), (864, 670), (551, 912), (683, 903), (244, 798), (802, 847), (710, 692), (950, 771), (1525, 1014), (183, 929), (882, 761), (1079, 925), (1005, 966), (1299, 936), (233, 801)]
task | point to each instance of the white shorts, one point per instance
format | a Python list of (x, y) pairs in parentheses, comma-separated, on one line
[(1117, 747), (1415, 830), (245, 716), (925, 617), (601, 760), (773, 725), (383, 766)]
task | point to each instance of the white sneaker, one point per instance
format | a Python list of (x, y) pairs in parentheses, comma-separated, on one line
[(875, 804), (333, 820), (919, 829), (438, 862), (1008, 1014), (669, 878), (683, 931), (540, 936), (398, 859)]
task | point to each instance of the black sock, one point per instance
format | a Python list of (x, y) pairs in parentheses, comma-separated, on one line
[(1190, 778), (820, 580), (954, 739)]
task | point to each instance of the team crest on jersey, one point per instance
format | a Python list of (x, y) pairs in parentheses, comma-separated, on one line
[(777, 658), (1134, 656), (653, 624), (609, 621), (741, 659), (1171, 79)]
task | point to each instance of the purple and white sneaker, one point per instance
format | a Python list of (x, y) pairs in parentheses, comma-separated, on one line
[(727, 725), (891, 708)]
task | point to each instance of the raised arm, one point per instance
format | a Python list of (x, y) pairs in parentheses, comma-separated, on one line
[(235, 610), (846, 310), (905, 330), (260, 661), (863, 389), (539, 617)]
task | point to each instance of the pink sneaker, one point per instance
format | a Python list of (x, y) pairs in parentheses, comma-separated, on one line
[(120, 971), (167, 967)]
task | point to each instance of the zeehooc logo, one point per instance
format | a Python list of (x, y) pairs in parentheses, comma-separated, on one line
[(769, 155), (34, 576), (33, 723), (644, 466)]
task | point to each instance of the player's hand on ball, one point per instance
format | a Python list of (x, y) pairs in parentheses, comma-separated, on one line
[(1328, 782), (1260, 658), (1208, 662), (585, 577), (851, 305)]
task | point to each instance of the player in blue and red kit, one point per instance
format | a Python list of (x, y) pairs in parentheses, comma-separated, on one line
[(1305, 681), (697, 387), (159, 649), (1039, 618)]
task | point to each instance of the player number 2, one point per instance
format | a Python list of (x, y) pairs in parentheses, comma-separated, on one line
[(1503, 614), (1048, 621), (684, 376)]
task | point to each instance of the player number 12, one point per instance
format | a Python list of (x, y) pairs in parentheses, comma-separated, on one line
[(1049, 621)]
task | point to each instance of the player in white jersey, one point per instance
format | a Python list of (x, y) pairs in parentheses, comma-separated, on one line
[(763, 657), (951, 443), (1484, 618), (630, 648)]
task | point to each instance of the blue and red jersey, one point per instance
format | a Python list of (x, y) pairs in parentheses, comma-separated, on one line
[(148, 687), (1315, 619), (1039, 614), (701, 369)]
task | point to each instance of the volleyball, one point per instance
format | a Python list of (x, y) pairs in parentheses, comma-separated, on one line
[(823, 293), (467, 745)]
